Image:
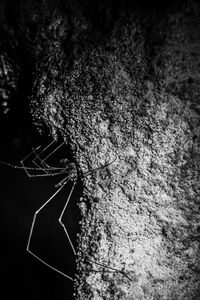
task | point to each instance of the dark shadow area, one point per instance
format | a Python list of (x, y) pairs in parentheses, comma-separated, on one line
[(23, 276)]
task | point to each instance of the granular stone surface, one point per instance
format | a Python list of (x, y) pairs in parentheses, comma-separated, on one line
[(126, 101)]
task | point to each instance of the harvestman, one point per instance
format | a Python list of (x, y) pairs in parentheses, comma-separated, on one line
[(43, 169)]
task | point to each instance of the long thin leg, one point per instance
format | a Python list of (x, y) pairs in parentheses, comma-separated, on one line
[(39, 168), (110, 268), (61, 215), (58, 170), (44, 166), (71, 244), (56, 149), (43, 163), (31, 232), (27, 156), (98, 168), (63, 181)]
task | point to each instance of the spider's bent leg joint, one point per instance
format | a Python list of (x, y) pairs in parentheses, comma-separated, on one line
[(23, 166), (31, 233), (61, 216)]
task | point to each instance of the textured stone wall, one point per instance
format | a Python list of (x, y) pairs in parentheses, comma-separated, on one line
[(127, 104)]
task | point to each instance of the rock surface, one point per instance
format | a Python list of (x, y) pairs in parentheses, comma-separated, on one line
[(127, 103)]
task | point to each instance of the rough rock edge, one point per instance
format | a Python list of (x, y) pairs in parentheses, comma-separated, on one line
[(141, 212)]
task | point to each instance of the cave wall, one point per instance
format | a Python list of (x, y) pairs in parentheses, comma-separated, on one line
[(121, 87)]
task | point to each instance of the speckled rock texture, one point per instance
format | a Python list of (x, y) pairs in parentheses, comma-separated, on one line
[(127, 103)]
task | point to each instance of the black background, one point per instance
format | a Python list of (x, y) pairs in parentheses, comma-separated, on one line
[(23, 277)]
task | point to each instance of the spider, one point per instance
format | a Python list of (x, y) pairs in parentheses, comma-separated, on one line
[(43, 169)]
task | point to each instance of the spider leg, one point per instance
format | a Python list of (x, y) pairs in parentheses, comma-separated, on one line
[(43, 163), (39, 168), (47, 171), (110, 268), (101, 167), (64, 181), (55, 170), (58, 169), (66, 232), (44, 167), (52, 152), (25, 158), (31, 233), (61, 216)]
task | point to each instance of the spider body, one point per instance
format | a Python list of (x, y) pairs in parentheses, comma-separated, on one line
[(64, 161)]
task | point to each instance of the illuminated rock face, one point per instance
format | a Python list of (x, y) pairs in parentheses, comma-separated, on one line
[(128, 106)]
